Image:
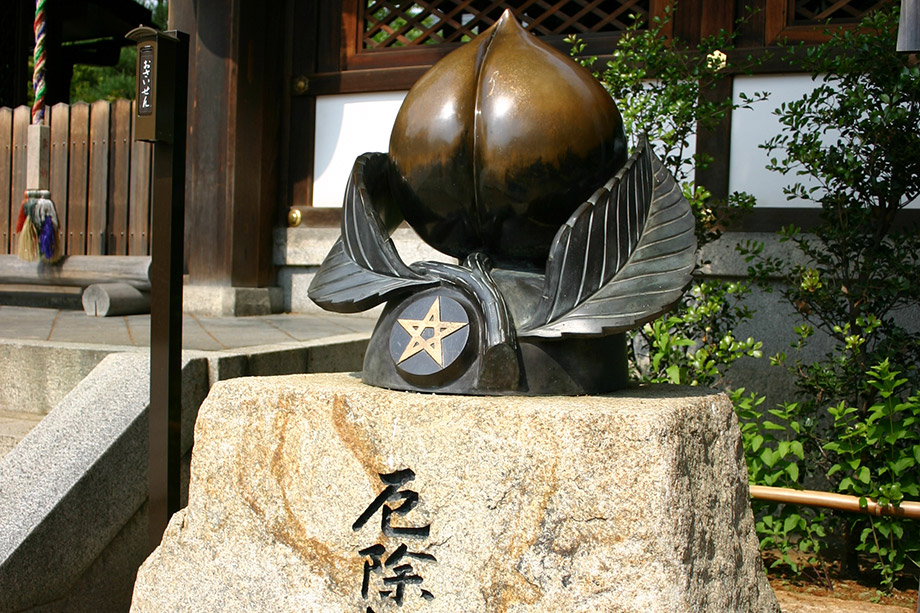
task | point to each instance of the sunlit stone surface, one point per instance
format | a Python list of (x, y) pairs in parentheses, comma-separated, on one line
[(637, 501)]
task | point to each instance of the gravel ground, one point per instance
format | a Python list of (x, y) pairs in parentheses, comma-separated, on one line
[(791, 602), (847, 597)]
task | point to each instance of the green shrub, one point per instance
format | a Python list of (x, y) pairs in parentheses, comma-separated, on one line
[(876, 454), (857, 136), (663, 89)]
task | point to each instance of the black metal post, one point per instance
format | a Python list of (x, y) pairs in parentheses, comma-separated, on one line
[(163, 76), (167, 235)]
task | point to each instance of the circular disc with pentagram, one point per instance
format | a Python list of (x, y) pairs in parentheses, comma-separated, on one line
[(429, 335)]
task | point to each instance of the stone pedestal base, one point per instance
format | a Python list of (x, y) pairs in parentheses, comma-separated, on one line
[(222, 301), (318, 493)]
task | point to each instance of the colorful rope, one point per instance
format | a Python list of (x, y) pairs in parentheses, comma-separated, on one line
[(38, 73)]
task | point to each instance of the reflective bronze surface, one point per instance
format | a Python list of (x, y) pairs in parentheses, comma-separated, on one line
[(512, 158), (497, 145)]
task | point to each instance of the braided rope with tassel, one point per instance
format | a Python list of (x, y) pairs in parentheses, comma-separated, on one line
[(37, 225), (38, 72)]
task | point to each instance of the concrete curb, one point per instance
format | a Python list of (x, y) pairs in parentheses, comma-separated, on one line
[(77, 480), (69, 485), (73, 521)]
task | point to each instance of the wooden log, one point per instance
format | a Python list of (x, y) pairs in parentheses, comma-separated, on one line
[(78, 270), (111, 299)]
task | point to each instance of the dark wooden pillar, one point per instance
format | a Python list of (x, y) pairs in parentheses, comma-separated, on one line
[(716, 142), (16, 43), (237, 88)]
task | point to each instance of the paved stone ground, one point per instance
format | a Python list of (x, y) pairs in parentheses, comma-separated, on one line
[(20, 323), (199, 333)]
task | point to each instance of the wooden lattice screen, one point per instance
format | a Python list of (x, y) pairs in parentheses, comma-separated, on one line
[(809, 20), (399, 23), (812, 12)]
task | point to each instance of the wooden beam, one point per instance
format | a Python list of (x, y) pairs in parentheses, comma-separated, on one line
[(98, 182), (687, 20), (234, 139), (716, 144), (772, 219), (356, 81), (7, 222), (77, 179), (716, 16)]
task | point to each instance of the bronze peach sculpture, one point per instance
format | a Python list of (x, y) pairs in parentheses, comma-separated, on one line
[(510, 157), (499, 143)]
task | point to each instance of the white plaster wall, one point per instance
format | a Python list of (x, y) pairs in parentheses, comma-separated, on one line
[(753, 127), (346, 126), (351, 124)]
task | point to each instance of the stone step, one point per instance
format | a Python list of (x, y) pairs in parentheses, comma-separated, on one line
[(13, 427)]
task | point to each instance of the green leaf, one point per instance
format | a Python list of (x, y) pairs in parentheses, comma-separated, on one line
[(768, 456), (793, 470), (673, 372), (901, 465), (864, 475)]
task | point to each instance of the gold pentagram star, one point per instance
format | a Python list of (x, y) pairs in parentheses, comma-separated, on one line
[(440, 330)]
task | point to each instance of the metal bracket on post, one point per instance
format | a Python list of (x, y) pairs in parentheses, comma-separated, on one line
[(160, 118), (909, 40)]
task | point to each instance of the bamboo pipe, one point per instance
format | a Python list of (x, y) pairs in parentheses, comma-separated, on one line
[(840, 502)]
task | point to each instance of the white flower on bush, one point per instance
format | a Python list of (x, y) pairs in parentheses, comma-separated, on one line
[(716, 60)]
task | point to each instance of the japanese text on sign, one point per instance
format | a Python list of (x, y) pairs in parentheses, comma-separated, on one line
[(392, 573), (145, 81)]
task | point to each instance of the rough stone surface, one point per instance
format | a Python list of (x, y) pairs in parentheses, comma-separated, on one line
[(299, 251), (40, 374), (309, 246), (13, 427), (71, 485), (73, 523), (636, 501), (339, 353), (222, 301)]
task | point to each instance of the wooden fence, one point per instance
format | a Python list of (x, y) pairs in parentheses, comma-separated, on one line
[(100, 177)]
